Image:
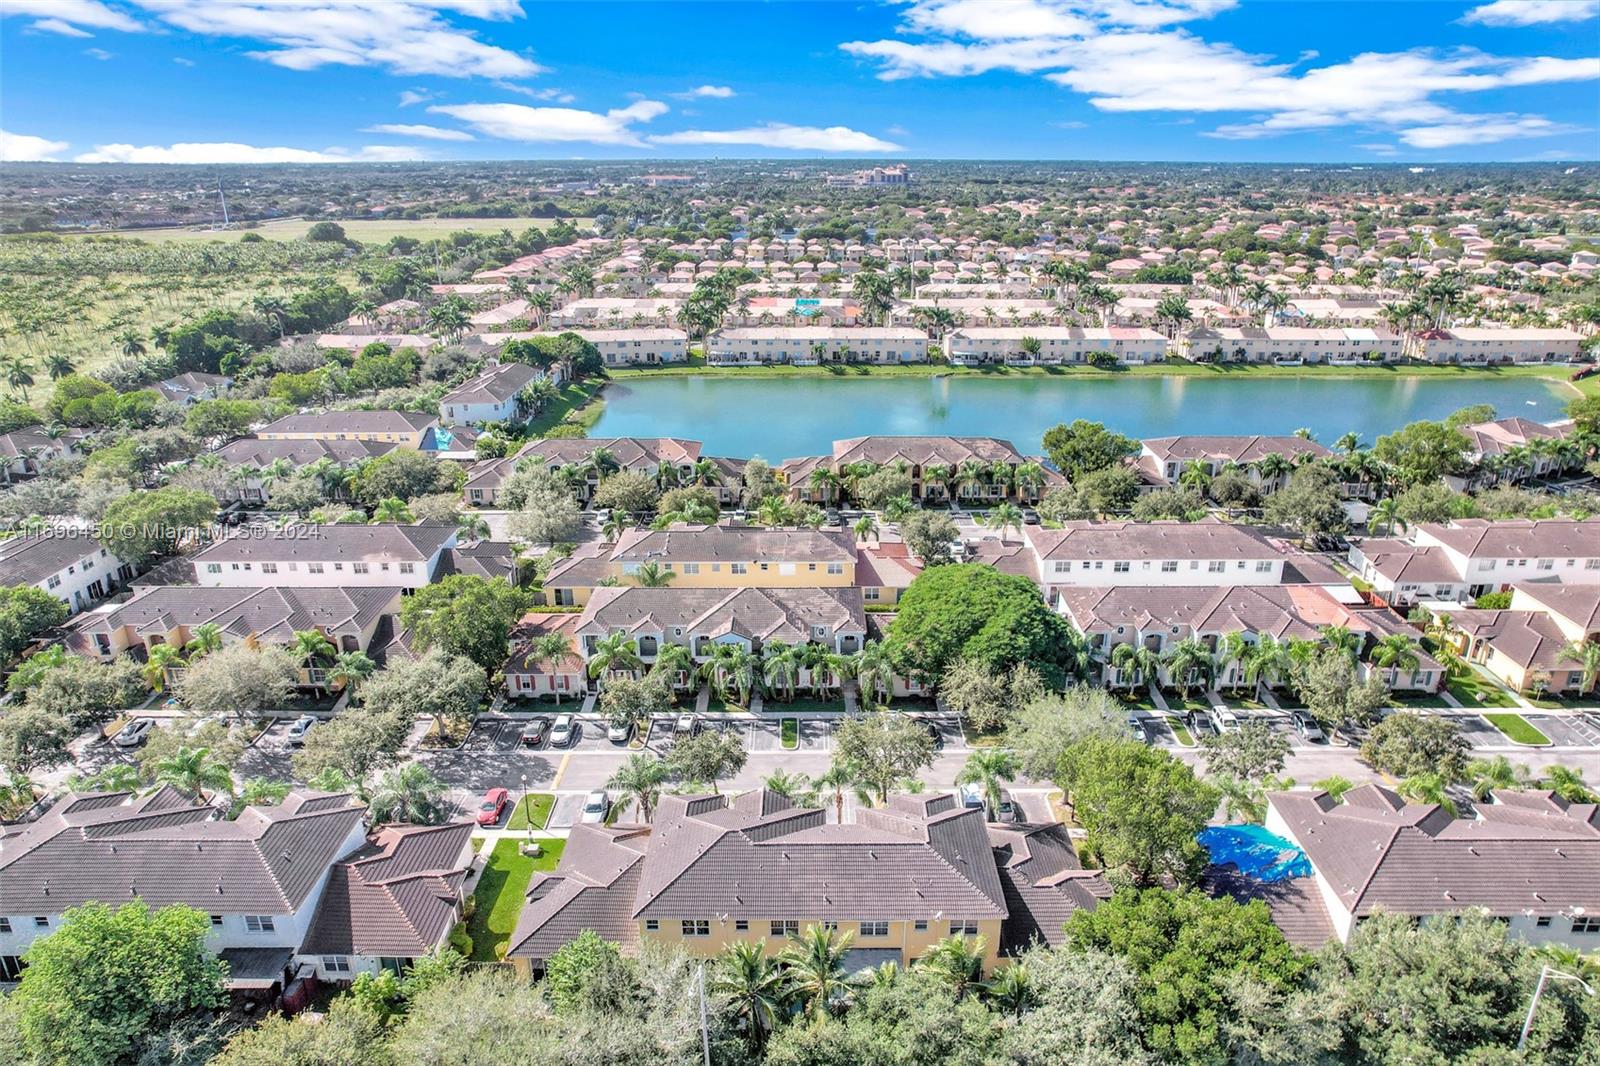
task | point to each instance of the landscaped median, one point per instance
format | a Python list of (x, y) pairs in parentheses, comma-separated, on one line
[(533, 810), (497, 901), (1518, 728), (791, 733)]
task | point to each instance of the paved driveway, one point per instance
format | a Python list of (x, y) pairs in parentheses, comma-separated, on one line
[(1566, 730)]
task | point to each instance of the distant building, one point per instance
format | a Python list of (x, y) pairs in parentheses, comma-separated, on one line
[(898, 174), (69, 564)]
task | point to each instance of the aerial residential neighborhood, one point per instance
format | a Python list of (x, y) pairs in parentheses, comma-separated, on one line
[(1043, 533)]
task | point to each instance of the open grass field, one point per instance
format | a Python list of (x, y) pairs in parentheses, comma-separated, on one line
[(500, 892), (1518, 728), (370, 231)]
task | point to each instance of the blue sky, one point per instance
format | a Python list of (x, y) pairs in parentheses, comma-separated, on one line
[(309, 80)]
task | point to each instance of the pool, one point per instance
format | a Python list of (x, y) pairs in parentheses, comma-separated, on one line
[(1259, 854)]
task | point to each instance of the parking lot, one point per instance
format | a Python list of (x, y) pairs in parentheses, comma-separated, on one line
[(1568, 730)]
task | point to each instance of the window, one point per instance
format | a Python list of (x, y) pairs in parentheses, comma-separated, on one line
[(408, 568), (41, 922), (697, 927), (361, 568), (213, 568), (740, 568), (869, 594), (1264, 566), (1216, 566), (651, 925), (1169, 567), (1119, 568), (336, 963), (314, 568), (216, 921), (874, 928), (691, 568), (1586, 923), (5, 925), (54, 581), (835, 568), (269, 568), (969, 927), (785, 928), (741, 925), (1489, 564), (1591, 564), (258, 923), (1542, 922)]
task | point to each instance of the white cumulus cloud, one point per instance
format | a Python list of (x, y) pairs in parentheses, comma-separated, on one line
[(65, 29), (707, 92), (231, 152), (76, 14), (411, 129), (1532, 12), (21, 148), (519, 122), (783, 135)]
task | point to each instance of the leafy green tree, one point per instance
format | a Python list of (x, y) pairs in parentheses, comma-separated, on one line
[(238, 680), (972, 611), (573, 965), (1085, 447), (882, 748), (445, 687), (1409, 745), (466, 615), (1186, 949), (1084, 1011), (146, 525), (1252, 752), (353, 745), (1310, 504), (348, 1033), (706, 757), (1110, 491), (628, 491), (625, 699), (33, 737), (1423, 451), (405, 474), (87, 693), (1142, 808), (26, 611), (929, 535), (108, 978), (1044, 727), (1332, 690)]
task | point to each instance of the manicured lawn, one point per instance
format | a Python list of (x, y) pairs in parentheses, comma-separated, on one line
[(1474, 691), (1518, 728), (500, 892), (578, 402), (1180, 731), (803, 705), (1138, 699), (1244, 703), (977, 738), (716, 706), (1191, 703), (791, 733), (1554, 703), (533, 809), (1417, 699)]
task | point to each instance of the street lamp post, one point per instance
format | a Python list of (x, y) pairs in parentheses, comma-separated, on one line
[(527, 809), (1545, 974)]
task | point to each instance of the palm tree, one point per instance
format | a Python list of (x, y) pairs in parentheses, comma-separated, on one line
[(615, 525), (874, 672), (259, 792), (780, 667), (19, 375), (640, 779), (1395, 653), (796, 787), (866, 526), (1335, 786), (1428, 788), (825, 483), (1268, 662), (1385, 515), (58, 366), (600, 462), (652, 576), (193, 770), (1586, 654), (206, 638), (970, 476), (1135, 662), (1233, 651), (615, 652), (132, 344), (672, 662), (958, 961), (1011, 991), (350, 669), (1342, 638), (471, 527), (814, 964), (989, 768), (1186, 660), (840, 778), (1491, 775), (732, 666), (1568, 783), (1029, 478), (162, 657), (311, 647), (393, 509), (755, 983), (1003, 516), (408, 795)]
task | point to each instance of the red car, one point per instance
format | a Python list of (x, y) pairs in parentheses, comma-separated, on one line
[(493, 805)]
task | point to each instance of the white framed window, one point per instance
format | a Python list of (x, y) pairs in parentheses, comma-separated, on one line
[(869, 594), (408, 568), (1586, 923), (690, 569), (1264, 566), (336, 963), (1120, 568), (875, 928), (651, 925), (1169, 567), (361, 568), (1216, 566), (835, 568), (216, 921), (785, 928), (54, 581), (696, 927), (258, 923), (313, 568), (739, 568), (964, 927), (269, 568)]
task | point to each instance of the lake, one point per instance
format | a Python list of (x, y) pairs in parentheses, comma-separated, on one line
[(780, 418)]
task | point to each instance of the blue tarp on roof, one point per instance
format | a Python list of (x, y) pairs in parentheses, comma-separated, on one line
[(1258, 854)]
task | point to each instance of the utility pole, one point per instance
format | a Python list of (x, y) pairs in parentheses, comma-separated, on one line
[(705, 1032), (1545, 974)]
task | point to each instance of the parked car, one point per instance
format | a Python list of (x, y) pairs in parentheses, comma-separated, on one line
[(1136, 728), (1227, 722), (564, 731), (492, 806), (1030, 518), (972, 798), (687, 725), (134, 733), (620, 732), (1201, 724), (1308, 728), (597, 806), (1008, 810), (298, 729), (534, 733)]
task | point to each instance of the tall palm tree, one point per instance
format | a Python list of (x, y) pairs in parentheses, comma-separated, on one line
[(1135, 662), (58, 366), (311, 647), (757, 985), (780, 667), (1335, 786), (866, 527), (1187, 661), (471, 527), (615, 525), (1567, 782), (1428, 788), (600, 462), (989, 768), (1395, 653), (839, 779), (1268, 662), (1342, 638), (957, 961), (970, 476), (161, 658), (652, 576), (19, 375), (193, 770), (615, 652), (206, 638), (814, 965), (410, 795), (825, 483), (1011, 990), (672, 662), (1003, 516), (132, 344), (640, 779), (1385, 515), (874, 672), (1586, 654), (733, 668), (1233, 651)]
